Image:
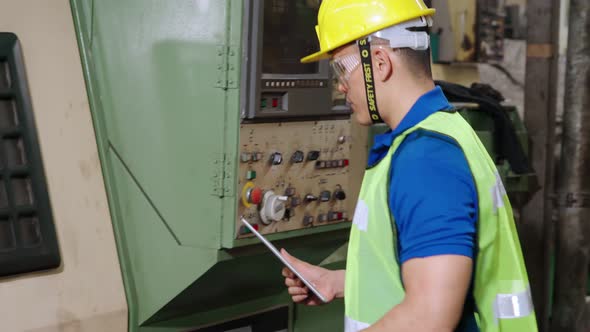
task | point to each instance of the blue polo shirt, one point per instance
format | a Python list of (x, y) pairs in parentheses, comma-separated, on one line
[(432, 194)]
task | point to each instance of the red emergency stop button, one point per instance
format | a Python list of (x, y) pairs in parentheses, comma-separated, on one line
[(255, 196)]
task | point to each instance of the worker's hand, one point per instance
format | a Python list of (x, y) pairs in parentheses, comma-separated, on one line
[(329, 283)]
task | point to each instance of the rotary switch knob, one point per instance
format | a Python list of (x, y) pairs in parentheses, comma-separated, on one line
[(273, 207), (313, 155), (339, 195), (297, 157), (276, 158), (310, 198)]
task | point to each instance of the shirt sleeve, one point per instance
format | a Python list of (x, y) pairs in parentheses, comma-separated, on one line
[(432, 198)]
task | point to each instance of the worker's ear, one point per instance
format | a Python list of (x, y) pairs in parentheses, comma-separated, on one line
[(383, 67)]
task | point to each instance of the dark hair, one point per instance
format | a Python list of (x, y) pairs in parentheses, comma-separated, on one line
[(417, 61)]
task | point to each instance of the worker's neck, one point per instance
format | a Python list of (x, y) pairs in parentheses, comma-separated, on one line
[(401, 96)]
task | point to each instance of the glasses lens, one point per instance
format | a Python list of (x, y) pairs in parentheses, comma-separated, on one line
[(339, 71), (343, 67)]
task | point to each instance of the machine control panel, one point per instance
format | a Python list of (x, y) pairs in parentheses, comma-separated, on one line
[(294, 175)]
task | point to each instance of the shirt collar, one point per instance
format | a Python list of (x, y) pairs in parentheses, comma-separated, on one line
[(429, 103)]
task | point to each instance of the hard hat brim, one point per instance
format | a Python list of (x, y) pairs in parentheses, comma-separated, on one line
[(325, 54), (321, 55)]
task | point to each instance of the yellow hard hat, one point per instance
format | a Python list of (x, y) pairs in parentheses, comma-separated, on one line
[(343, 21)]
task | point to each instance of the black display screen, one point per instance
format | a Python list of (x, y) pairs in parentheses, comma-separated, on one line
[(289, 35)]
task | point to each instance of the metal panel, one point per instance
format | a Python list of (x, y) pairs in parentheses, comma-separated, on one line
[(234, 102), (163, 112), (160, 121), (153, 259), (86, 11)]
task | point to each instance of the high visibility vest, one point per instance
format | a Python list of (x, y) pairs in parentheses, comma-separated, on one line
[(373, 276)]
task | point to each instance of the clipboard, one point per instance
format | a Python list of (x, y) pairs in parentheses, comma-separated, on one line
[(284, 261)]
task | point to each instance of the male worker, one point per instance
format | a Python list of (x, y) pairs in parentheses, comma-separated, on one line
[(433, 246)]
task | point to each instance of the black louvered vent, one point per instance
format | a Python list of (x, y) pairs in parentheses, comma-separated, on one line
[(27, 233)]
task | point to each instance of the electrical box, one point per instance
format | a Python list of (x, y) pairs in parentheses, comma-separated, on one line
[(203, 114)]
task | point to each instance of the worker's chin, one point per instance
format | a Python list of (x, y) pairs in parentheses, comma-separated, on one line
[(362, 119)]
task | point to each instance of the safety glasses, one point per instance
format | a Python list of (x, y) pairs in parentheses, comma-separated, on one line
[(342, 67)]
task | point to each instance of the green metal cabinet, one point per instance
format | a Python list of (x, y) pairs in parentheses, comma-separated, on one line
[(162, 79)]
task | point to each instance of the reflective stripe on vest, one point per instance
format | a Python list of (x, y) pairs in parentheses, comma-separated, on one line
[(351, 325), (515, 305), (373, 275)]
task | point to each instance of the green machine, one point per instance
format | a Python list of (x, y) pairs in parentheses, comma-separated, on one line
[(203, 114)]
